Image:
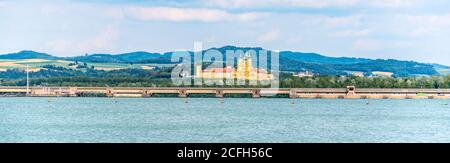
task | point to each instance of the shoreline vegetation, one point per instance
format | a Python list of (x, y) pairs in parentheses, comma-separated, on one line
[(142, 69), (161, 77), (184, 92)]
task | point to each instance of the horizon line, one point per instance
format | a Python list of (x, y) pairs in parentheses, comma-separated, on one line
[(214, 47)]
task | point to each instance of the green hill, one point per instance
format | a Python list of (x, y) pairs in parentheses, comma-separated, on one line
[(289, 62), (27, 54), (119, 58)]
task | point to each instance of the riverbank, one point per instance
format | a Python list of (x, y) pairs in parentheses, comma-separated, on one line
[(185, 92), (236, 120)]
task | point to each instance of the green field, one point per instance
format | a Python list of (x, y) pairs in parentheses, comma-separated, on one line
[(37, 64), (443, 71)]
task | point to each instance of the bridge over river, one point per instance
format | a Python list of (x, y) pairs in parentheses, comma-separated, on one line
[(184, 92)]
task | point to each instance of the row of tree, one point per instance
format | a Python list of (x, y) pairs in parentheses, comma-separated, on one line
[(367, 82), (288, 82), (160, 77)]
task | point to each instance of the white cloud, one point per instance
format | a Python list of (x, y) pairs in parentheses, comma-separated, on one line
[(427, 25), (288, 3), (394, 3), (343, 21), (2, 4), (103, 42), (366, 45), (352, 33), (308, 3), (189, 14), (59, 46), (316, 21), (320, 3), (52, 9), (358, 28), (269, 36)]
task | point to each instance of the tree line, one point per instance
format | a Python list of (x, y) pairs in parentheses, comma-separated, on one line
[(433, 82), (160, 77)]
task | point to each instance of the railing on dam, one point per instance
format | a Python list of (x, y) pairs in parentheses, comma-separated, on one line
[(349, 92)]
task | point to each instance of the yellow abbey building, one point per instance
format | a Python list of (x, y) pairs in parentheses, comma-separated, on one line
[(244, 71)]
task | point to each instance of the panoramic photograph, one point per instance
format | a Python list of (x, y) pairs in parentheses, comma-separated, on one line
[(224, 71)]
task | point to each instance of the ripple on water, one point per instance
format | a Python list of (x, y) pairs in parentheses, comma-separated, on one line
[(222, 120)]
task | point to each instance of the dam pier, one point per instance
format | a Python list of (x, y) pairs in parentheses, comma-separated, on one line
[(185, 92)]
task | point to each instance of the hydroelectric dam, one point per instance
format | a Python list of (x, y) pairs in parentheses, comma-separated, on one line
[(350, 92)]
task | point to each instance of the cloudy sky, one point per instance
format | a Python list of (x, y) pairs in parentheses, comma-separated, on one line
[(400, 29)]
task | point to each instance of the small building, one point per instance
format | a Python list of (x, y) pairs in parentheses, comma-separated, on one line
[(305, 74), (244, 71), (382, 73), (355, 73)]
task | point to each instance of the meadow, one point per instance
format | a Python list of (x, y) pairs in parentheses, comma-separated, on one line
[(38, 64)]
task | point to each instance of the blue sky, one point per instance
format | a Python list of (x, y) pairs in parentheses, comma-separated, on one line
[(399, 29)]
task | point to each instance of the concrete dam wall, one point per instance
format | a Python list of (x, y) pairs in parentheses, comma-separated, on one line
[(184, 92)]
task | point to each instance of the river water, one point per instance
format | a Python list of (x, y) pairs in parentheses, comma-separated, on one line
[(232, 120)]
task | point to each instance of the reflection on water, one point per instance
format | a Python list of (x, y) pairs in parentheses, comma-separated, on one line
[(222, 120)]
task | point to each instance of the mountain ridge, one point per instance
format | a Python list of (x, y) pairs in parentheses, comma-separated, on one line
[(27, 54), (289, 61), (301, 56)]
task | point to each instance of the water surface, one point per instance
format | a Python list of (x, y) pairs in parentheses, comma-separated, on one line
[(222, 120)]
